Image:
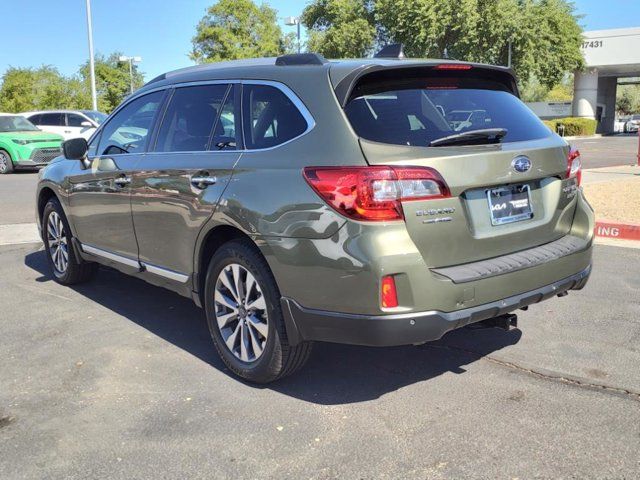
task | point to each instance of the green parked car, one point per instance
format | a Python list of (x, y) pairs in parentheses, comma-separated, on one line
[(298, 200), (23, 145)]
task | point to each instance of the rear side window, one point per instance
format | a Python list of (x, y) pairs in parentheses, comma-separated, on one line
[(52, 119), (35, 119), (270, 117), (419, 111), (190, 119)]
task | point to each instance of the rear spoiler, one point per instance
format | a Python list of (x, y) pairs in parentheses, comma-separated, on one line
[(503, 75)]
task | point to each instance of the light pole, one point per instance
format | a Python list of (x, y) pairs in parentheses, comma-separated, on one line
[(92, 68), (131, 60), (291, 21)]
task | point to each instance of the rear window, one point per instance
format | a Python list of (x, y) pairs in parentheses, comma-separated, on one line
[(418, 111)]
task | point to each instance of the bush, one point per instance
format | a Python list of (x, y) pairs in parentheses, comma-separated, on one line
[(573, 126)]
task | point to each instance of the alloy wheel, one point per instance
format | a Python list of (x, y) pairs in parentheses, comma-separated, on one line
[(57, 242), (4, 165), (241, 312)]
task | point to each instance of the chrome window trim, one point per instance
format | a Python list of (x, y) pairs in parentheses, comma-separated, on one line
[(290, 94)]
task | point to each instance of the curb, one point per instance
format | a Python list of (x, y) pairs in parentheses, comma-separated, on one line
[(622, 231)]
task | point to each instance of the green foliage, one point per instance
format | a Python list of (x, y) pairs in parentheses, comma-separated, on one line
[(113, 81), (340, 28), (574, 126), (233, 29), (41, 88), (628, 99), (44, 88), (544, 34)]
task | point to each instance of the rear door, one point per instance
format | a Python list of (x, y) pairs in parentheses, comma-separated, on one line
[(506, 195), (176, 187), (54, 122)]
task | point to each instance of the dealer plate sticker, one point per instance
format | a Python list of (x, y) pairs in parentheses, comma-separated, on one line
[(510, 204)]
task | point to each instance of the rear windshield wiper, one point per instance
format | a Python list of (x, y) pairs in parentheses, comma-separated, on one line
[(471, 137)]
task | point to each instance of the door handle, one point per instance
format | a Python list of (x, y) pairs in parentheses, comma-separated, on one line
[(203, 181), (67, 131), (122, 181)]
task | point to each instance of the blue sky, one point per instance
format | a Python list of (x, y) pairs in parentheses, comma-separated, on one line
[(54, 32)]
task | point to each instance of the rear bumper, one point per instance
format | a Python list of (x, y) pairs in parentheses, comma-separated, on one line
[(408, 328)]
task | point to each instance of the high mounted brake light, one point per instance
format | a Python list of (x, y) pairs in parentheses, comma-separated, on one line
[(375, 193), (574, 165), (453, 66)]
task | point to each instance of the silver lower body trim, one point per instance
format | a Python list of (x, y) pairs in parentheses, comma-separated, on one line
[(130, 262)]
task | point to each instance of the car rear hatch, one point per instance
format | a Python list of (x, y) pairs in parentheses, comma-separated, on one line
[(507, 185)]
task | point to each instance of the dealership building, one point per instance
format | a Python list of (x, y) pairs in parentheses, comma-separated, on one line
[(612, 58)]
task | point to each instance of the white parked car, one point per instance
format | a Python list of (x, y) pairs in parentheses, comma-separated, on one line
[(68, 123), (633, 124)]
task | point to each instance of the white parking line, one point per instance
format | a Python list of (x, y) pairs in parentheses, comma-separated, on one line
[(19, 233)]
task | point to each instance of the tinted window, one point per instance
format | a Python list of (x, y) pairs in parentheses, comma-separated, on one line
[(128, 130), (189, 121), (75, 120), (416, 113), (270, 117), (225, 131), (35, 119), (52, 119)]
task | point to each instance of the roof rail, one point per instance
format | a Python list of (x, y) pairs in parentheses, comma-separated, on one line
[(393, 50), (301, 59)]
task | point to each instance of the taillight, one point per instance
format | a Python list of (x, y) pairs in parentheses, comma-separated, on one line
[(574, 165), (375, 193), (388, 293)]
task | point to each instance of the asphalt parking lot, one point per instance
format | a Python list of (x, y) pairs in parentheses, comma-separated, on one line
[(118, 379)]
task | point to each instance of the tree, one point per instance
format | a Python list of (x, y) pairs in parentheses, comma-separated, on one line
[(233, 29), (544, 34), (43, 88), (628, 99), (340, 28), (113, 81)]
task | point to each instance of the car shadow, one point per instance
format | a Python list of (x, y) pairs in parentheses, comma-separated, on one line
[(335, 374)]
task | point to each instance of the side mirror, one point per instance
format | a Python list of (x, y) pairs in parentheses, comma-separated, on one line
[(86, 124), (75, 148)]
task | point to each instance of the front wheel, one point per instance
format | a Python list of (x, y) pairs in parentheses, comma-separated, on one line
[(6, 164), (245, 318), (67, 266)]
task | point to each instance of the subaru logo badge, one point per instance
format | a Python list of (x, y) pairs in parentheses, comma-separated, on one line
[(521, 164)]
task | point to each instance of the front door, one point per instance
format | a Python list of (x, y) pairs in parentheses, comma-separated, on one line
[(100, 203), (177, 185)]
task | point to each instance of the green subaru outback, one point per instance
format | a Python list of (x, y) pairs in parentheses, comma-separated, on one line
[(23, 145), (298, 199)]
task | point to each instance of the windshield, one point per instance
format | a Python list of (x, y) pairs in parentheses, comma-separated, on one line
[(96, 116), (419, 112), (16, 123)]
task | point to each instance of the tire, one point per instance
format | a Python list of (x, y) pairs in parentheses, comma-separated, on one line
[(6, 164), (264, 359), (67, 266)]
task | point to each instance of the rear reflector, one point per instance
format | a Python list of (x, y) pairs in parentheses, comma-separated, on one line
[(388, 293), (453, 66), (574, 165), (375, 193)]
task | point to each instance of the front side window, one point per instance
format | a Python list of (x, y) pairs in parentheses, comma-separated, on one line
[(191, 116), (270, 117), (75, 120), (128, 130)]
